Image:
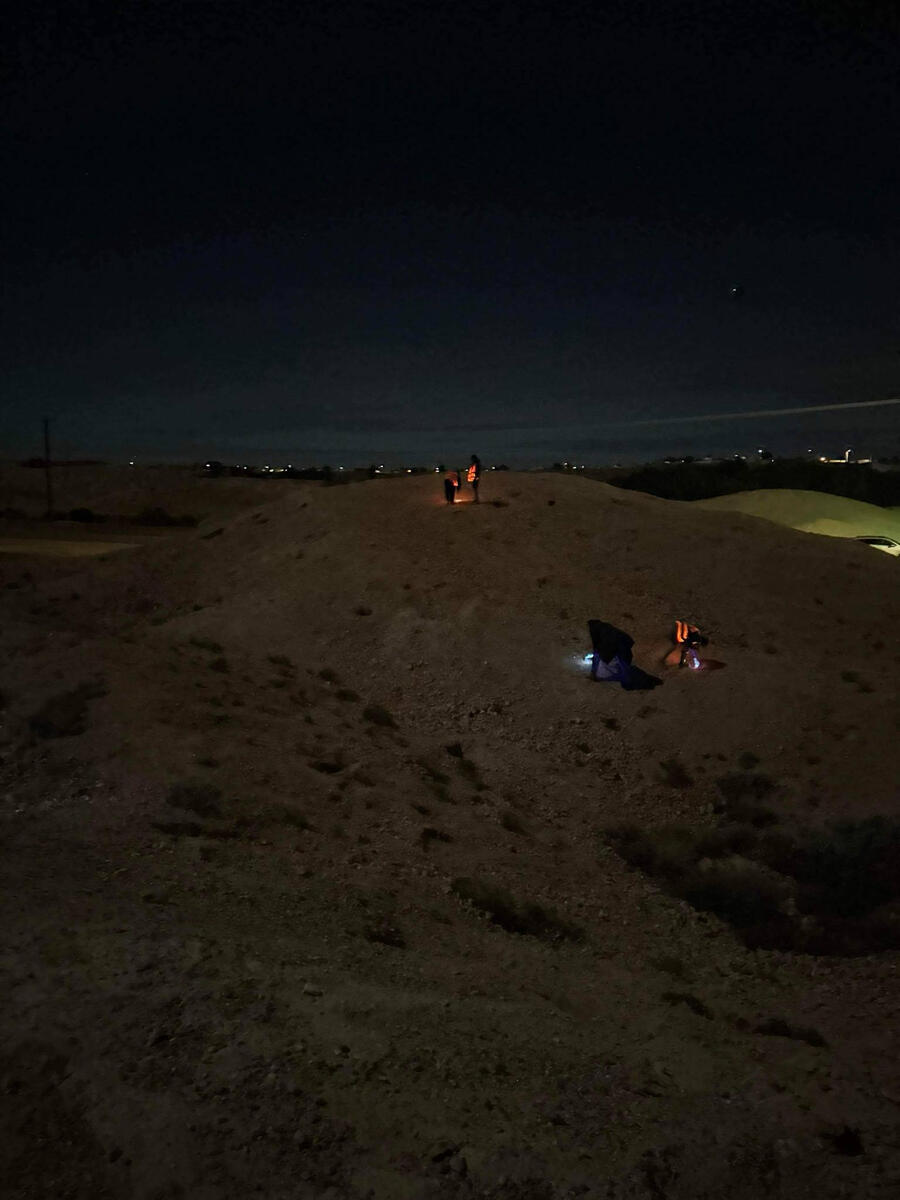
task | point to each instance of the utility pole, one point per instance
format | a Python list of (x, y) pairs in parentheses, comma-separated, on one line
[(47, 466)]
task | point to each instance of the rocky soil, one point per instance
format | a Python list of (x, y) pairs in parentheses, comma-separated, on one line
[(308, 884)]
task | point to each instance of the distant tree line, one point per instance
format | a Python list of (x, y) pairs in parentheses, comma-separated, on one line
[(702, 481)]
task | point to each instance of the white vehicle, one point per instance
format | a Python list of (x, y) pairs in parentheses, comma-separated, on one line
[(888, 545)]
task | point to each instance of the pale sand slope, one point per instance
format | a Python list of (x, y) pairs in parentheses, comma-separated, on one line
[(276, 989), (811, 512)]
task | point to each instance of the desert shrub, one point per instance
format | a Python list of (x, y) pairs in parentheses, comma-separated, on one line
[(850, 867), (87, 515), (776, 1027), (513, 822), (735, 890), (206, 644), (726, 840), (385, 935), (671, 965), (65, 715), (192, 829), (431, 772), (429, 834), (285, 814), (674, 774), (379, 716), (831, 891), (200, 798), (280, 660), (328, 675), (455, 750), (469, 769), (503, 910), (690, 1001), (747, 760), (741, 795), (219, 664), (347, 695), (668, 852), (845, 1141)]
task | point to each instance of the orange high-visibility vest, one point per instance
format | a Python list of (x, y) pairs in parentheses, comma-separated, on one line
[(683, 630), (471, 474)]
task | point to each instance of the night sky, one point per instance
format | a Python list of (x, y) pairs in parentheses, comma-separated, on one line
[(355, 233)]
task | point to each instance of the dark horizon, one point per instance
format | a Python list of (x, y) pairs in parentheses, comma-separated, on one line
[(430, 449)]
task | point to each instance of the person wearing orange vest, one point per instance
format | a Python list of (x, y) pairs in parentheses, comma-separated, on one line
[(687, 638), (473, 476)]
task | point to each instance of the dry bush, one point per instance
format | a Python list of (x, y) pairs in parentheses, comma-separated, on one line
[(726, 840), (736, 890), (470, 770), (671, 965), (830, 891), (200, 798), (65, 715), (326, 767), (385, 935), (432, 773), (692, 1002), (192, 829), (674, 774), (776, 1027), (513, 822), (429, 834), (668, 852), (206, 644), (379, 716), (527, 918)]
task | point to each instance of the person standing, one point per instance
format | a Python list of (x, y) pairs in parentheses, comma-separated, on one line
[(474, 474), (451, 483)]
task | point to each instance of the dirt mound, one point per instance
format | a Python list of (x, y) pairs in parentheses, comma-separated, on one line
[(314, 895)]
